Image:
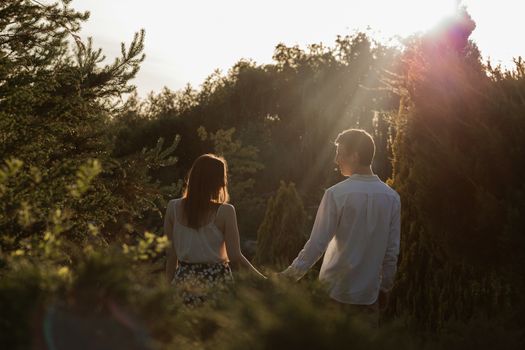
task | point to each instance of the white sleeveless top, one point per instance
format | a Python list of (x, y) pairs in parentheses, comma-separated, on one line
[(202, 245)]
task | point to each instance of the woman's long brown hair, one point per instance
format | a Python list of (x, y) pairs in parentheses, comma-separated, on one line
[(206, 185)]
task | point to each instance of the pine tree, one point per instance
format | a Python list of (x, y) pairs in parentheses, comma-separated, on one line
[(282, 232), (56, 103)]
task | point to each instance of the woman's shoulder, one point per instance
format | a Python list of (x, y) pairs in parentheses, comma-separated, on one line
[(226, 209), (172, 203), (174, 200), (228, 206)]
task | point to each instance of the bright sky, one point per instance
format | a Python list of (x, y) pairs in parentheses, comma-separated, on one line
[(187, 40)]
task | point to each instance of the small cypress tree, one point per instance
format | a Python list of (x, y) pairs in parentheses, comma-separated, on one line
[(282, 232)]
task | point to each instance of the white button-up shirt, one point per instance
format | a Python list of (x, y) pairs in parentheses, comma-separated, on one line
[(358, 225)]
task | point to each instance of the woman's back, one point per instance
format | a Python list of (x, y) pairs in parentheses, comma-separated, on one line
[(202, 245), (201, 231)]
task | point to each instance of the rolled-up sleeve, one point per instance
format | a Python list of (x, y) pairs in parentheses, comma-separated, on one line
[(322, 233), (392, 250)]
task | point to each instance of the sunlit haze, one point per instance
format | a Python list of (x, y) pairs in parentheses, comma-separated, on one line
[(187, 40)]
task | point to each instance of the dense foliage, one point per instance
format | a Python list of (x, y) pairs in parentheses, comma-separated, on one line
[(460, 129)]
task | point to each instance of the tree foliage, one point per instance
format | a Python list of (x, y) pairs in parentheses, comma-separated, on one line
[(290, 110), (460, 132), (56, 103)]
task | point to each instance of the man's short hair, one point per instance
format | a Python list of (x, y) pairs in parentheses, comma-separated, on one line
[(357, 140)]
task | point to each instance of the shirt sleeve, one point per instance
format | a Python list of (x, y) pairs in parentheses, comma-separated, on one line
[(322, 233), (392, 250)]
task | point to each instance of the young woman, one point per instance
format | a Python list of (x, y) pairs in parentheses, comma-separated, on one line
[(203, 232)]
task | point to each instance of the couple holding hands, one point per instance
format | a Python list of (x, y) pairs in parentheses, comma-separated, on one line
[(357, 228)]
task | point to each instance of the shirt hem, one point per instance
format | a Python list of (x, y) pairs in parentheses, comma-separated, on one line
[(339, 300)]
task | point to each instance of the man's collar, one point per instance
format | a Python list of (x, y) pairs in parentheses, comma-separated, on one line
[(364, 177)]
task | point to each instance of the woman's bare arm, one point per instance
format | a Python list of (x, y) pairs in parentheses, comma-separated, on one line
[(171, 261), (232, 240)]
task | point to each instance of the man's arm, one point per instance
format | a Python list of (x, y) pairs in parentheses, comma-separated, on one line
[(392, 250), (322, 233)]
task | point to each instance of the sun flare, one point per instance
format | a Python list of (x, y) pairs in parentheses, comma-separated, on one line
[(182, 34), (423, 15)]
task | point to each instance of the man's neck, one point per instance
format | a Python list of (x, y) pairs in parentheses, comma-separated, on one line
[(366, 170)]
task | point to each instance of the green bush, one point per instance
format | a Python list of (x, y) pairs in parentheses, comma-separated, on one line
[(109, 297), (260, 314)]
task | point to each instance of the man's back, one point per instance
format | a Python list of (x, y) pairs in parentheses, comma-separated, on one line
[(357, 223), (353, 262)]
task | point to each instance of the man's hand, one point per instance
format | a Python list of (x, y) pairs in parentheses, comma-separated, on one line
[(290, 273)]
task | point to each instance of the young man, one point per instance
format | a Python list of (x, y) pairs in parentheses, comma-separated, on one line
[(357, 227)]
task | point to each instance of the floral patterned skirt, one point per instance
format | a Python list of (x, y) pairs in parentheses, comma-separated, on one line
[(197, 283)]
